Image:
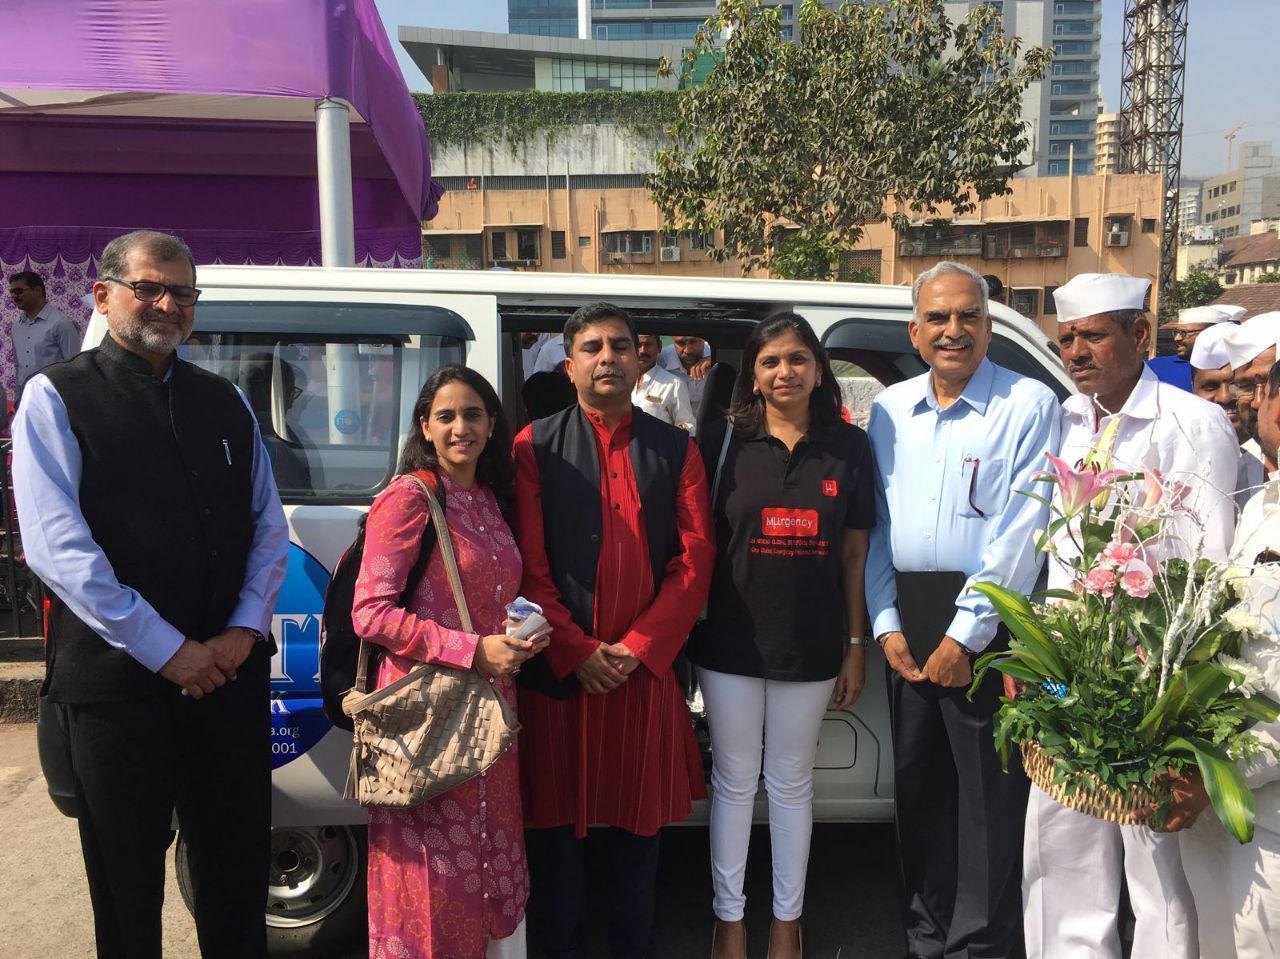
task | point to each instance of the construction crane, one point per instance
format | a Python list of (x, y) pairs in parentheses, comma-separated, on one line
[(1231, 140), (1155, 58)]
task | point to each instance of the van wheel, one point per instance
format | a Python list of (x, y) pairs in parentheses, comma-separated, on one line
[(316, 891)]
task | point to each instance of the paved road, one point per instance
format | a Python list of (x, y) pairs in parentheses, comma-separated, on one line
[(851, 910)]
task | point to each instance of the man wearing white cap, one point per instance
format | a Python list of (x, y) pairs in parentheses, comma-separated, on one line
[(1176, 370), (1125, 418), (1211, 380), (1237, 887), (1251, 351)]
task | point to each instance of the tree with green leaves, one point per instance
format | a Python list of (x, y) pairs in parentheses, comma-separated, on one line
[(1268, 278), (1199, 287), (791, 147)]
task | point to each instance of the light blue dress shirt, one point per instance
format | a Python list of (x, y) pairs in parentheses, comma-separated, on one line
[(61, 550), (934, 514)]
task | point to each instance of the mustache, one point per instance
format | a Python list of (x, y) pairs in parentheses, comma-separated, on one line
[(1081, 367), (948, 342), (606, 372)]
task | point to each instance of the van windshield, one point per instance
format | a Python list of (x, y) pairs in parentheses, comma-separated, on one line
[(328, 406)]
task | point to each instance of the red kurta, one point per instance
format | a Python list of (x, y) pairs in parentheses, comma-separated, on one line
[(627, 758)]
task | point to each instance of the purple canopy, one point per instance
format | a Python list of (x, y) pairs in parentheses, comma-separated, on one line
[(197, 117)]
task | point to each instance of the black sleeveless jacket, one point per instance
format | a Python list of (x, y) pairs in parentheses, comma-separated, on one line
[(166, 491), (568, 460)]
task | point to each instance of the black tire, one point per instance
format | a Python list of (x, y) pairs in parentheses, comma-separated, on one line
[(316, 903)]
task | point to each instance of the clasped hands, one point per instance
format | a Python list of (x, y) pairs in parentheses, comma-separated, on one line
[(607, 668), (947, 666), (200, 668)]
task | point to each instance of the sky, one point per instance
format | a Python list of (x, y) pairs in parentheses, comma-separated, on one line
[(1231, 65)]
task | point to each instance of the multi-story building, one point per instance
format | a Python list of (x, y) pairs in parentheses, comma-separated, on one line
[(1189, 192), (543, 18), (1231, 201), (1062, 110), (623, 19), (580, 203), (1108, 155)]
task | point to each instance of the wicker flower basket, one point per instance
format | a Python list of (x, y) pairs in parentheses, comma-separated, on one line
[(1129, 807)]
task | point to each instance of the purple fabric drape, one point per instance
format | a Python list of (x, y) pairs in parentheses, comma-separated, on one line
[(307, 49)]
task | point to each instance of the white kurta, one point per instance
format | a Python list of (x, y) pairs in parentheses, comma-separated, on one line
[(1237, 888), (662, 394), (1252, 473), (1073, 864)]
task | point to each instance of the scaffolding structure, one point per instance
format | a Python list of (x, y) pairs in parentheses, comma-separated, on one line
[(1155, 58)]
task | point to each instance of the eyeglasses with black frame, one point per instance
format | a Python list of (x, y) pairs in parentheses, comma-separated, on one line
[(148, 291)]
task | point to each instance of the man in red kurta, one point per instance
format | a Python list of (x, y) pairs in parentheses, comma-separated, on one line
[(616, 534)]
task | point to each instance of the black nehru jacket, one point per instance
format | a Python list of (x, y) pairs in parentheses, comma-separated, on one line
[(568, 458), (166, 491), (777, 609)]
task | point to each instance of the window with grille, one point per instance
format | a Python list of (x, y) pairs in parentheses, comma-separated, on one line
[(1148, 225), (498, 244), (557, 245), (1026, 302), (527, 244), (1082, 231), (1050, 305), (859, 266)]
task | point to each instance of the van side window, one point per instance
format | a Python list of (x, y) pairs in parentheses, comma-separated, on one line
[(328, 407)]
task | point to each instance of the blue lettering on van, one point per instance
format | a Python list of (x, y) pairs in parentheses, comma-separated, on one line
[(297, 714), (347, 421)]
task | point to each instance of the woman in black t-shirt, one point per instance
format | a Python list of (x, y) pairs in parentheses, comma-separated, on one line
[(784, 630)]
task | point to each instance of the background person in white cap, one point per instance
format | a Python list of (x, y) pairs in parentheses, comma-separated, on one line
[(1176, 369), (1237, 887), (1211, 380), (1125, 418), (1251, 350)]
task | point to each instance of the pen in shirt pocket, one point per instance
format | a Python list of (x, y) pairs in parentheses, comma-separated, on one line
[(973, 462), (226, 448)]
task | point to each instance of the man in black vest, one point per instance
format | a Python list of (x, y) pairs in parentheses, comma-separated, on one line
[(615, 533), (148, 507)]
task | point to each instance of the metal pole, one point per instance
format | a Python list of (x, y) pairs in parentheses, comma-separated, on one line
[(333, 171)]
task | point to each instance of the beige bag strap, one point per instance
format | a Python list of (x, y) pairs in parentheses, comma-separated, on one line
[(460, 600)]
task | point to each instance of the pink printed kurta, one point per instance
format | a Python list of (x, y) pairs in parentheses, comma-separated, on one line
[(446, 876)]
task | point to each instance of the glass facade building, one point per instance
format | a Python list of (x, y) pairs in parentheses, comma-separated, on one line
[(543, 18)]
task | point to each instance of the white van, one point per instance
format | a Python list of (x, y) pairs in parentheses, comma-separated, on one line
[(333, 360)]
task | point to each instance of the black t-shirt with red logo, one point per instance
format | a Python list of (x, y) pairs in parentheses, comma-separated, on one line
[(777, 607)]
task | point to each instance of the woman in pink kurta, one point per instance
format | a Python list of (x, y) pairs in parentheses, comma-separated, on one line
[(448, 876)]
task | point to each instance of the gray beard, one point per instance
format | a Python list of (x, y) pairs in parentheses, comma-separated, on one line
[(152, 338)]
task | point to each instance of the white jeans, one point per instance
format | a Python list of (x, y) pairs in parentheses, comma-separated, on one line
[(1072, 865), (751, 718), (1237, 890), (512, 947)]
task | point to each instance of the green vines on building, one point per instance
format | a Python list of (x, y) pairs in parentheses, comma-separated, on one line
[(518, 116)]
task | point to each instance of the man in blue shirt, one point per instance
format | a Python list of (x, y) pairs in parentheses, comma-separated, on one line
[(148, 508), (953, 449), (1176, 370)]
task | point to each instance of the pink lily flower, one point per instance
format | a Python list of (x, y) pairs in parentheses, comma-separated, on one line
[(1078, 487)]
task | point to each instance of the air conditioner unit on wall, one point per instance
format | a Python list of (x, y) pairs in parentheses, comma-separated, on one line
[(669, 254), (1118, 238)]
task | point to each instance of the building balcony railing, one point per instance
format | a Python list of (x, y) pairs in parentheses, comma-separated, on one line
[(1014, 241)]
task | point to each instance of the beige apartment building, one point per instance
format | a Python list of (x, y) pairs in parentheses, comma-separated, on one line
[(1035, 239)]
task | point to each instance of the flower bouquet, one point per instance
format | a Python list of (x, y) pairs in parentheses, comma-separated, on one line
[(1133, 676)]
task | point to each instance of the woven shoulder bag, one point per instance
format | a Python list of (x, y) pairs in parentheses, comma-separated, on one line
[(432, 729)]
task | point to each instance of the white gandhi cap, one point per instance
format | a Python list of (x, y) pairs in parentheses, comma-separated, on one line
[(1088, 294), (1210, 315), (1251, 338), (1209, 352)]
